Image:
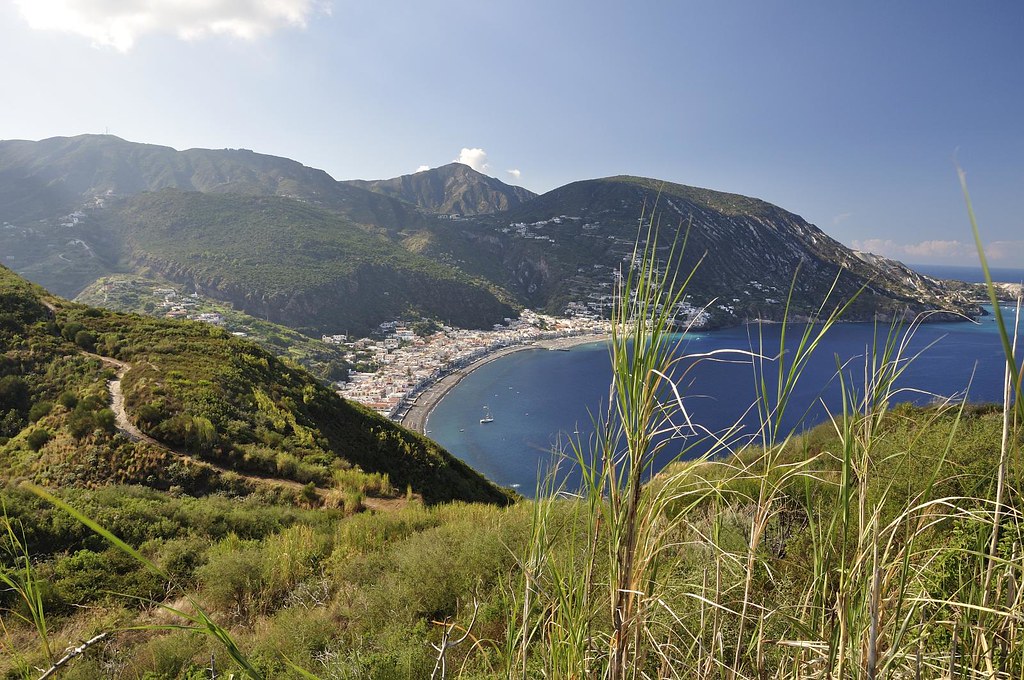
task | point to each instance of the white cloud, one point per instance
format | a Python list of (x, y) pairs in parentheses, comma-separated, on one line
[(942, 251), (423, 168), (1009, 252), (841, 217), (120, 23), (939, 249), (474, 158), (516, 174)]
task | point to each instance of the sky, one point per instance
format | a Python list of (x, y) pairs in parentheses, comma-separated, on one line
[(853, 115)]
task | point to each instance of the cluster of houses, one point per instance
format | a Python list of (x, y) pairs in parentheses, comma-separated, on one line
[(407, 364), (183, 307)]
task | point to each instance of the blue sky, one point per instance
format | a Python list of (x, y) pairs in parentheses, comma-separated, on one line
[(852, 115)]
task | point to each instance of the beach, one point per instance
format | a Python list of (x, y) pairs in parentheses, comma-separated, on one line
[(416, 418)]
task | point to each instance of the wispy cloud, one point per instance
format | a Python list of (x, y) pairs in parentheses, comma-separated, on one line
[(942, 251), (474, 158), (120, 23), (515, 173), (423, 168), (841, 217)]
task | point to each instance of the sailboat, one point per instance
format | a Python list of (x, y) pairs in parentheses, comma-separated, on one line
[(488, 418)]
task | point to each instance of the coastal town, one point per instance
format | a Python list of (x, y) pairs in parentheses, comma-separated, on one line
[(400, 365), (387, 372)]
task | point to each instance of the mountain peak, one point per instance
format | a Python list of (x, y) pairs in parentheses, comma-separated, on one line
[(454, 188)]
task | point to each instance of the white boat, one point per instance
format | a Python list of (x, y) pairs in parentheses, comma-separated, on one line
[(488, 418)]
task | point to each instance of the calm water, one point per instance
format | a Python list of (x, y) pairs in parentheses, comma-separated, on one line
[(540, 397), (970, 274)]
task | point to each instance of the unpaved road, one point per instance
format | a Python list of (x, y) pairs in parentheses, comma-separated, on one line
[(128, 429)]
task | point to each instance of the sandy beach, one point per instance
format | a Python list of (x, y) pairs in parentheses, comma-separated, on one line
[(416, 418)]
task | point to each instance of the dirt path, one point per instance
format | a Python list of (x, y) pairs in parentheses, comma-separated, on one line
[(128, 429)]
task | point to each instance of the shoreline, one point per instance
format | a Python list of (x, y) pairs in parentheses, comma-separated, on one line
[(418, 414)]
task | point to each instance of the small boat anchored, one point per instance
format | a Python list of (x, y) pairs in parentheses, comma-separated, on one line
[(488, 418)]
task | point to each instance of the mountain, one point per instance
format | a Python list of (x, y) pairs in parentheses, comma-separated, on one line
[(450, 189), (39, 179), (293, 263), (289, 244), (564, 248), (275, 238), (93, 397)]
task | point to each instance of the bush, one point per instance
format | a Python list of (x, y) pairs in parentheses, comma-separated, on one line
[(232, 579), (39, 410), (149, 414), (71, 330), (106, 420), (80, 423), (13, 393), (10, 423), (68, 399), (37, 438), (85, 340)]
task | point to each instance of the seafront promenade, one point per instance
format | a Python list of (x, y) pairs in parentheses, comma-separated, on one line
[(417, 412), (404, 366)]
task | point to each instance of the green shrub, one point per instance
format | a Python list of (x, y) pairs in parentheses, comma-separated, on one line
[(10, 423), (88, 576), (106, 420), (14, 393), (71, 329), (85, 340), (37, 438), (80, 424), (232, 579), (40, 409)]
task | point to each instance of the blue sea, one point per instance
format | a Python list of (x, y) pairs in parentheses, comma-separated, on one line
[(970, 274), (540, 398)]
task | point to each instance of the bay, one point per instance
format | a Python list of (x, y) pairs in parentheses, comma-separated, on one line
[(541, 398)]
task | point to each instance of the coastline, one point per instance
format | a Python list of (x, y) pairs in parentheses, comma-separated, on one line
[(416, 417)]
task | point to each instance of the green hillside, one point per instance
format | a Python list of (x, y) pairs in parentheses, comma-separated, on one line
[(295, 264), (197, 392), (139, 294)]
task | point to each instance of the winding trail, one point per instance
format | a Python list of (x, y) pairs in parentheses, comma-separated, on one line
[(128, 429)]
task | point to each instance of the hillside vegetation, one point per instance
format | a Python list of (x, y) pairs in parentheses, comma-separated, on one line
[(194, 389), (568, 244), (296, 264), (148, 295)]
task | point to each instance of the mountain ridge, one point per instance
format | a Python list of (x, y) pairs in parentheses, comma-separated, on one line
[(558, 252), (454, 188)]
